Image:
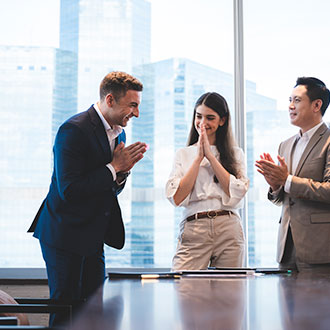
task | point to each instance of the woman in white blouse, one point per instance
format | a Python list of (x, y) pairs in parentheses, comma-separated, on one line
[(208, 179)]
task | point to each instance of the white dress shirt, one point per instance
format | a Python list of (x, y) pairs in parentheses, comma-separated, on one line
[(206, 194), (112, 133), (300, 147)]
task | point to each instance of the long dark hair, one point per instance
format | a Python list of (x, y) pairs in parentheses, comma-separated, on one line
[(224, 137)]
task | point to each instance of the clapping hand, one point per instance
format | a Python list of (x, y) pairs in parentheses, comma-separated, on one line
[(275, 175)]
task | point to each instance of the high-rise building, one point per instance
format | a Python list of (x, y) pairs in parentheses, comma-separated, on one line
[(36, 90), (105, 35)]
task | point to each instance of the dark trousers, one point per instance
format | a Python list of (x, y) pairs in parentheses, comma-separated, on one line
[(71, 278), (289, 256), (290, 260)]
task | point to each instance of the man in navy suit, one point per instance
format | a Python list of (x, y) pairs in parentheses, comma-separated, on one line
[(81, 210)]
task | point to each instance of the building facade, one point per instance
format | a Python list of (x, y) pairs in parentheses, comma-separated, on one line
[(36, 91)]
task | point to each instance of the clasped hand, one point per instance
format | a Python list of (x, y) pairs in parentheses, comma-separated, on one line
[(124, 158), (203, 144), (275, 175)]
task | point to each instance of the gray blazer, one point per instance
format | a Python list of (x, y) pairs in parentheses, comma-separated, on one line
[(307, 207)]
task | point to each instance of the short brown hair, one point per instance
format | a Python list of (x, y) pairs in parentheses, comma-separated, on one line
[(118, 83)]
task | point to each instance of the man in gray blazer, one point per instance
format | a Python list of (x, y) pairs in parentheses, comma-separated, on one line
[(300, 182)]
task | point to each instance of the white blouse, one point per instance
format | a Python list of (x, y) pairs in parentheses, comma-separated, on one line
[(206, 194)]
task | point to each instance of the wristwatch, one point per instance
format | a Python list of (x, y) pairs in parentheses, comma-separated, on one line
[(121, 176)]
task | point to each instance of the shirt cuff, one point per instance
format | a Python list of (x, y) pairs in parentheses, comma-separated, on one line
[(114, 175), (172, 186), (287, 185)]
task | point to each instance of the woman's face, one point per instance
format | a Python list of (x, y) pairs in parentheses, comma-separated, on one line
[(208, 118)]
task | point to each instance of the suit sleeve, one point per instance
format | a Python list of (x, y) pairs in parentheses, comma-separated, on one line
[(314, 190), (76, 180)]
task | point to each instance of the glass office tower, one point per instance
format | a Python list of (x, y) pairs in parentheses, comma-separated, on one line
[(36, 94), (106, 35)]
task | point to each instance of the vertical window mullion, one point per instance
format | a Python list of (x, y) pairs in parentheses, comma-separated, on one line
[(239, 96)]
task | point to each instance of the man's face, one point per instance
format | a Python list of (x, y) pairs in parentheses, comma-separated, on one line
[(301, 109), (125, 108)]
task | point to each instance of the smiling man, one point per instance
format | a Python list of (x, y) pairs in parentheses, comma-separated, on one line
[(81, 211), (301, 181)]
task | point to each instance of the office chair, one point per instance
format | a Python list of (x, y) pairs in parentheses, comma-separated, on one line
[(30, 305)]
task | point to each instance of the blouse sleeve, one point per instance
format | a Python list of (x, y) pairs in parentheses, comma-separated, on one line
[(173, 182), (238, 187)]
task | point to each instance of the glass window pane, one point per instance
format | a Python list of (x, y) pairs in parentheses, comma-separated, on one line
[(283, 40), (189, 56), (179, 49)]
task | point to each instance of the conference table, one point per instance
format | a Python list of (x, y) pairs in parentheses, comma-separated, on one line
[(230, 301)]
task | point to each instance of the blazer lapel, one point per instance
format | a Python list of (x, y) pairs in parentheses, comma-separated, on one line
[(100, 133), (311, 144), (291, 151)]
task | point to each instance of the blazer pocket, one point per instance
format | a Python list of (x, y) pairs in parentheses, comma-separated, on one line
[(320, 218)]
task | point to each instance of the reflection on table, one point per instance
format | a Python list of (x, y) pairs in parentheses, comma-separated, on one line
[(211, 304), (291, 301), (305, 301)]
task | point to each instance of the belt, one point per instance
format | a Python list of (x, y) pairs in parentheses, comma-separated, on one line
[(208, 214)]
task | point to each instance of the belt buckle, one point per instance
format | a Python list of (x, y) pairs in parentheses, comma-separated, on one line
[(211, 214)]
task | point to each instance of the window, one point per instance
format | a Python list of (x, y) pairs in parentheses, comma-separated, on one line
[(280, 40), (177, 60)]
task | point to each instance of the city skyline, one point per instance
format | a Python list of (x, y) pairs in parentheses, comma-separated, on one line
[(171, 87), (272, 53)]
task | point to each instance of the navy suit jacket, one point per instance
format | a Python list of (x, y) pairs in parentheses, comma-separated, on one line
[(81, 210)]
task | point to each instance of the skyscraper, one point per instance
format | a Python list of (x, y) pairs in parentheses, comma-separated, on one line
[(105, 35), (36, 93)]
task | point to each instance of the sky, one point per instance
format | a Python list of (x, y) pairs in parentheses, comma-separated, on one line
[(282, 39)]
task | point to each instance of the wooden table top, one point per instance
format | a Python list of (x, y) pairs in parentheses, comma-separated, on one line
[(271, 302)]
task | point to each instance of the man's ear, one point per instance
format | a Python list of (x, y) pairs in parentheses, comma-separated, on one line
[(317, 105), (109, 100)]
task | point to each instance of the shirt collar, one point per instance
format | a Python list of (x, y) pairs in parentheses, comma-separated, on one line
[(116, 129), (310, 132)]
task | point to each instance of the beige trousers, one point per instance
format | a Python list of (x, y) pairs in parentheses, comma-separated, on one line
[(217, 242)]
